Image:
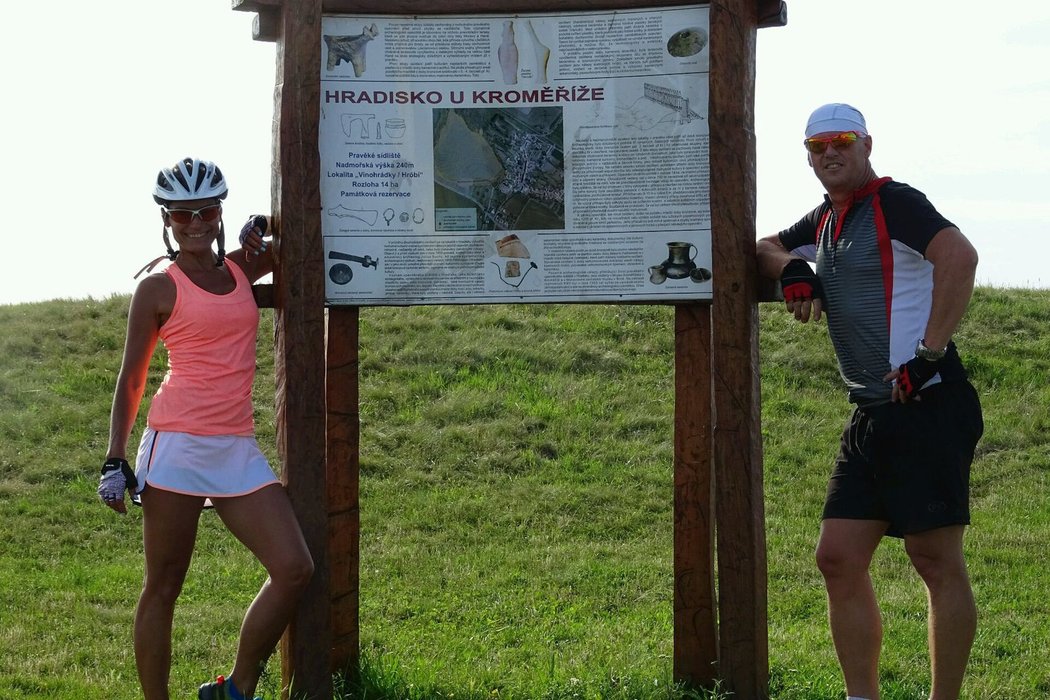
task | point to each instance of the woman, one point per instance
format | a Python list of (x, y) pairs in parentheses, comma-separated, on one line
[(198, 443)]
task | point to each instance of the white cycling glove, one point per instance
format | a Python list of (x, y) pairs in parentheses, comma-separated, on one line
[(256, 222), (117, 477)]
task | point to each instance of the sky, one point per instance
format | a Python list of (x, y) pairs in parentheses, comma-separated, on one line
[(99, 96)]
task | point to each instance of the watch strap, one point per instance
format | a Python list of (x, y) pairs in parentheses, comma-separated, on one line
[(927, 353)]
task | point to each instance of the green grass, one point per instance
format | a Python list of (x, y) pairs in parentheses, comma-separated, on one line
[(516, 508)]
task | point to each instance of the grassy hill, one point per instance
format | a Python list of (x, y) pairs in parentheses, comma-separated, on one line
[(516, 508)]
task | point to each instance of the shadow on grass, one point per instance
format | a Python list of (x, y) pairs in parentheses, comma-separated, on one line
[(382, 678)]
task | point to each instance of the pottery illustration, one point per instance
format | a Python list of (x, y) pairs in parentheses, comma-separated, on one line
[(510, 246), (395, 127), (542, 53), (679, 261), (687, 42), (508, 54)]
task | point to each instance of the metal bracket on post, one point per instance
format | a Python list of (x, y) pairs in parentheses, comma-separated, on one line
[(266, 26), (772, 13)]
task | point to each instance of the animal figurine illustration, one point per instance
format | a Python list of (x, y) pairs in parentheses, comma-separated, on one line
[(350, 48)]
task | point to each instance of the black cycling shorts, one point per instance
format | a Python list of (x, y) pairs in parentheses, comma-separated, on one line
[(909, 464)]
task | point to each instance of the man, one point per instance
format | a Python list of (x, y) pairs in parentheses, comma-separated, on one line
[(894, 278)]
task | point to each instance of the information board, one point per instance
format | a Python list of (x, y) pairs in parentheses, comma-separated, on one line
[(516, 158)]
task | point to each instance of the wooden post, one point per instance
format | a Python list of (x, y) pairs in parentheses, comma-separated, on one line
[(344, 468), (695, 631), (300, 332), (744, 652)]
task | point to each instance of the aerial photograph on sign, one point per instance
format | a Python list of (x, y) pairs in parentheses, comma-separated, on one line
[(499, 169)]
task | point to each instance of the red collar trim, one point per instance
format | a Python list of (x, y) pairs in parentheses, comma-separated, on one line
[(868, 189), (871, 188)]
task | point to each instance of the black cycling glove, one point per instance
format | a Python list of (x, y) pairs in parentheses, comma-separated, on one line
[(799, 282), (914, 374)]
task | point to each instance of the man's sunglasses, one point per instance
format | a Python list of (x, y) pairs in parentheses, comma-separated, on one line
[(206, 214), (839, 141)]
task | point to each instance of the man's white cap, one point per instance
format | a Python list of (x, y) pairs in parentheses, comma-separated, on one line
[(835, 117)]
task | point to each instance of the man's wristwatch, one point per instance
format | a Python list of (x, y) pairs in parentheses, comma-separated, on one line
[(927, 353)]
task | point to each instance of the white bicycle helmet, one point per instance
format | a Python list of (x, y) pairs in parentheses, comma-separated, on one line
[(188, 179)]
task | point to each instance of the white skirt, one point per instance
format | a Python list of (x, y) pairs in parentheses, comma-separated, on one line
[(212, 466)]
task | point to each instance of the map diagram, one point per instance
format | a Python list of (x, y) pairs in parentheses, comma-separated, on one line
[(506, 165)]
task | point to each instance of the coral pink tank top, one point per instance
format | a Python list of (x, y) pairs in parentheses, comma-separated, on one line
[(211, 360)]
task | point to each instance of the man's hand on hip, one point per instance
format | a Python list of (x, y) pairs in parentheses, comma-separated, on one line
[(909, 378)]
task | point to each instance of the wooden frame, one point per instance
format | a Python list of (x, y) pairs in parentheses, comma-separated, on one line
[(718, 462)]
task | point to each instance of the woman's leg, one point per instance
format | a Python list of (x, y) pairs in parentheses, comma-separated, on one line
[(169, 530), (265, 523)]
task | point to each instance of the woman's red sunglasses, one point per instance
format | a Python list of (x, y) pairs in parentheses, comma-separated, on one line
[(184, 216)]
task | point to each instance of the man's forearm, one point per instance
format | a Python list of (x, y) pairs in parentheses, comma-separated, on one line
[(772, 257)]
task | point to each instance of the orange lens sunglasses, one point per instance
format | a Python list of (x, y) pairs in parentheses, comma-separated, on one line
[(839, 141)]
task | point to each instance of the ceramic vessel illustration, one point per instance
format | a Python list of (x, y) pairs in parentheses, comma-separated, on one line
[(679, 261), (508, 54), (542, 53)]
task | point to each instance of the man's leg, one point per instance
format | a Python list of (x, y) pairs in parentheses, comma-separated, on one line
[(844, 554), (938, 557)]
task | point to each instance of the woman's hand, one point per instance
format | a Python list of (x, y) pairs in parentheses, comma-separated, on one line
[(251, 236)]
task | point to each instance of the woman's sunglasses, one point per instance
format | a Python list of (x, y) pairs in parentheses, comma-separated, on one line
[(184, 216), (839, 141)]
